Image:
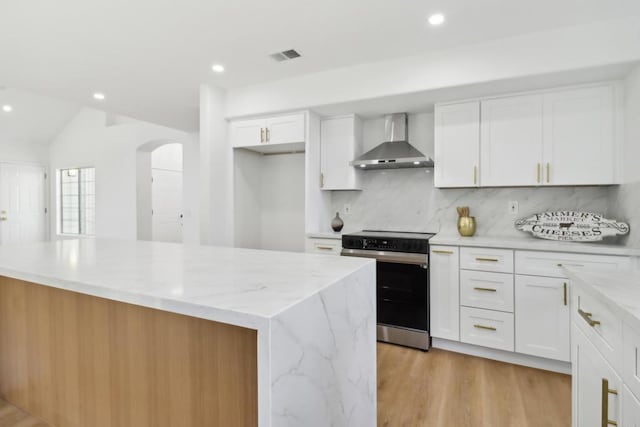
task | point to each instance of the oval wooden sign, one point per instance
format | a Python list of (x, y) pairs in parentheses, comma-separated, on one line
[(571, 226)]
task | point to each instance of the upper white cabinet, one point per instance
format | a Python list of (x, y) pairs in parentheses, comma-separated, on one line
[(579, 139), (286, 132), (340, 143), (564, 137), (511, 141), (457, 145)]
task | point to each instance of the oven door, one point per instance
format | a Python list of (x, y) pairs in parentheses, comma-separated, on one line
[(402, 288)]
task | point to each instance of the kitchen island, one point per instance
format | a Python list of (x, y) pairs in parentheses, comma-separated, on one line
[(105, 332)]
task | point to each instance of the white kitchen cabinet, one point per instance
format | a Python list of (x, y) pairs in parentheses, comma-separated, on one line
[(444, 292), (579, 137), (511, 141), (323, 246), (630, 409), (271, 134), (340, 143), (597, 389), (457, 145), (487, 328), (543, 317)]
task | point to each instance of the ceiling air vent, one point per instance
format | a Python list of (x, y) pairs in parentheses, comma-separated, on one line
[(285, 55)]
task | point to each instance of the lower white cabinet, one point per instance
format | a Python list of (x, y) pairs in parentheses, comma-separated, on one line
[(630, 409), (542, 315), (444, 292), (597, 389), (487, 328), (324, 246)]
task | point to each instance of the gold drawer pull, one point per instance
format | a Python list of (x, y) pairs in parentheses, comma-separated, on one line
[(606, 391), (488, 328), (487, 259), (486, 289), (261, 135), (587, 317), (538, 173), (571, 265), (564, 291), (438, 251), (548, 173), (327, 248)]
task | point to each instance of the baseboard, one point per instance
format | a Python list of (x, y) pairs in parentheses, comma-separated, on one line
[(503, 356)]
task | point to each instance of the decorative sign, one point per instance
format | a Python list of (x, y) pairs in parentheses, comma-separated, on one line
[(571, 226)]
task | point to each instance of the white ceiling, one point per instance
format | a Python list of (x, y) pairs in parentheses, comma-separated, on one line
[(35, 119), (149, 56)]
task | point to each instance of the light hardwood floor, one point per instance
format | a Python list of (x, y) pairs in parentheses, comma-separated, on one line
[(441, 388), (10, 416)]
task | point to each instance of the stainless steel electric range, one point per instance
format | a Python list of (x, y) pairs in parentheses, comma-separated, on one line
[(402, 283)]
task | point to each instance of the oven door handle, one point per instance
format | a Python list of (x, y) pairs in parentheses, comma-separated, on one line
[(386, 256)]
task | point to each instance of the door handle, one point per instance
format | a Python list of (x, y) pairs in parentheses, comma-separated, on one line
[(606, 391), (587, 317)]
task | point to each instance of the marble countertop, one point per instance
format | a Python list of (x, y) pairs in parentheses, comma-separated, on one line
[(238, 286), (532, 243), (619, 290)]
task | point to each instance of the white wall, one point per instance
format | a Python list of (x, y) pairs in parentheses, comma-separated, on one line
[(560, 50), (87, 141)]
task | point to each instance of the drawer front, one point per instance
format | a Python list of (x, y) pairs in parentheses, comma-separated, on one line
[(485, 259), (493, 291), (324, 246), (550, 263), (631, 359), (600, 324), (486, 328)]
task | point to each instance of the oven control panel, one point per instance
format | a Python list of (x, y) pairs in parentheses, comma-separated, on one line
[(420, 246)]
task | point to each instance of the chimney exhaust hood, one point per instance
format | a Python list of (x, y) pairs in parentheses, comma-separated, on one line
[(395, 152)]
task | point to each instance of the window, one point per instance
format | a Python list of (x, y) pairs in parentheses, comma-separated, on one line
[(77, 201)]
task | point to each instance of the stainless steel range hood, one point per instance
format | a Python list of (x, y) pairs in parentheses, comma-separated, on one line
[(395, 152)]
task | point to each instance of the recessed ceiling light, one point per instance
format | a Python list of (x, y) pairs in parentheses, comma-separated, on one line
[(7, 108), (99, 96), (218, 68), (436, 19)]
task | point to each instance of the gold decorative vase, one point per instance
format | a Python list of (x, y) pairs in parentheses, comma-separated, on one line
[(467, 226)]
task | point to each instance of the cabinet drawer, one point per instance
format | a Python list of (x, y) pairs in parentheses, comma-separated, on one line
[(631, 359), (493, 291), (324, 246), (550, 263), (485, 259), (600, 324), (486, 328)]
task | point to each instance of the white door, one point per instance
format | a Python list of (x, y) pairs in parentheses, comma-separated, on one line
[(590, 374), (457, 145), (630, 409), (543, 317), (579, 143), (247, 133), (166, 205), (22, 203), (444, 292), (285, 129), (511, 141)]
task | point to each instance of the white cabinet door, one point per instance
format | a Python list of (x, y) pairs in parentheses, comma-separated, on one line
[(593, 400), (22, 203), (285, 129), (511, 141), (579, 140), (457, 145), (445, 292), (340, 143), (630, 409), (247, 133), (543, 317)]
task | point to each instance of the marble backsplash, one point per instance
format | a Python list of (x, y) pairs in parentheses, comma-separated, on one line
[(406, 200)]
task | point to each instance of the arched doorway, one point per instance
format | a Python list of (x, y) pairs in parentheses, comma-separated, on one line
[(159, 191)]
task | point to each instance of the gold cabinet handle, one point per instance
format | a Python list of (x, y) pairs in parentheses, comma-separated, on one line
[(261, 135), (321, 180), (487, 259), (587, 317), (606, 391), (564, 292), (268, 134), (475, 175), (325, 248), (488, 328), (4, 218), (538, 173), (486, 289), (571, 265), (548, 173), (438, 251)]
